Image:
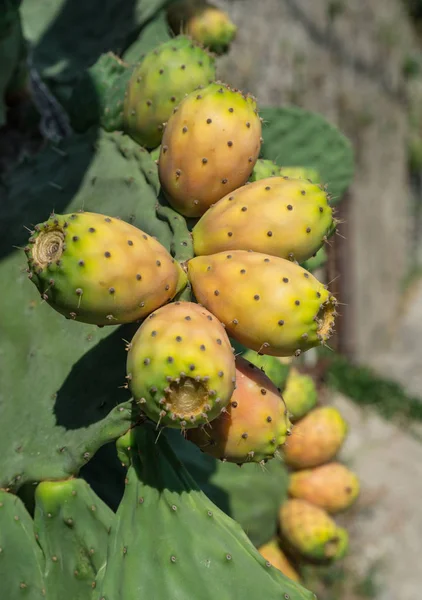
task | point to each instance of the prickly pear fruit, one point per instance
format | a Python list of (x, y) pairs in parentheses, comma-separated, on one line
[(316, 438), (289, 218), (264, 168), (204, 22), (101, 270), (278, 308), (209, 148), (332, 487), (300, 173), (254, 425), (311, 532), (272, 552), (159, 83), (181, 367), (272, 367), (300, 394)]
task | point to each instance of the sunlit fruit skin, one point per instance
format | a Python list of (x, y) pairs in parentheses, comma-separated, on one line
[(101, 270), (332, 487), (268, 304), (254, 425), (272, 552), (161, 80), (315, 439), (181, 367), (311, 532), (209, 148), (284, 217), (300, 394)]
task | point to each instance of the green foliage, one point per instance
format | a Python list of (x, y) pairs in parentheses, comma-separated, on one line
[(294, 136), (21, 558), (69, 410), (169, 538), (72, 526)]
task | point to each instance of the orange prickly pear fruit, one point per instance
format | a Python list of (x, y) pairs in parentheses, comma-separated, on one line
[(309, 531), (180, 366), (272, 552), (209, 148), (278, 308), (332, 487), (315, 439), (254, 425), (204, 22), (101, 270), (300, 394), (289, 218)]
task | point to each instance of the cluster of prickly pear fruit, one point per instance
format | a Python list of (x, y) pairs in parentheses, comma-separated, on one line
[(236, 280), (319, 486)]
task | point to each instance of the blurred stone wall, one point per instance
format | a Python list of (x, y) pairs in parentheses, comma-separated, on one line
[(345, 60)]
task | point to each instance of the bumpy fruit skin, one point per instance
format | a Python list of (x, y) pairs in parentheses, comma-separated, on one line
[(274, 554), (159, 83), (264, 168), (332, 487), (307, 173), (204, 22), (254, 425), (315, 439), (267, 303), (209, 148), (180, 366), (311, 532), (289, 218), (101, 270), (300, 394)]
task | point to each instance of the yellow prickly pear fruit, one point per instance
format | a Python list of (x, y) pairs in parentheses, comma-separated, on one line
[(289, 218), (311, 532), (332, 487), (315, 439), (300, 394), (204, 22), (101, 270), (272, 552), (301, 173), (254, 425), (180, 366), (209, 148), (268, 304)]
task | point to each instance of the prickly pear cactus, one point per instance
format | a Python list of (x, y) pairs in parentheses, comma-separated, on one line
[(294, 136), (300, 394), (72, 526), (72, 411), (272, 552), (168, 537)]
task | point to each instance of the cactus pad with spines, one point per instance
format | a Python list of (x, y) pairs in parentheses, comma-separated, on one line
[(209, 148), (254, 425), (284, 217), (160, 82), (170, 539), (278, 308), (21, 558), (180, 366), (72, 526)]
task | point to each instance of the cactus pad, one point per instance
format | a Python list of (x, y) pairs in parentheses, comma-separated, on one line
[(278, 308), (181, 366), (170, 539)]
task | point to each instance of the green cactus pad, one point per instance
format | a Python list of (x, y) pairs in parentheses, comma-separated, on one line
[(294, 136), (170, 539), (153, 33), (21, 558), (316, 261), (72, 526), (68, 410)]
